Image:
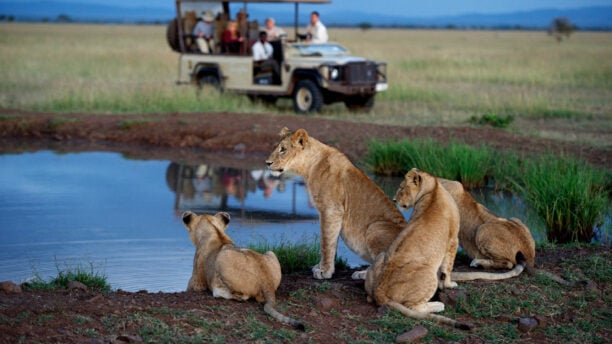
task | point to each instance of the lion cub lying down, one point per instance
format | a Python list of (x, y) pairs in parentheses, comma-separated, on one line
[(350, 204), (491, 241), (420, 259), (231, 272)]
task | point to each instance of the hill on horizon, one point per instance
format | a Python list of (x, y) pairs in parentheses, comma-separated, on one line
[(599, 18)]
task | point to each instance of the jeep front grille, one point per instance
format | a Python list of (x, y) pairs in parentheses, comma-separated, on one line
[(361, 73)]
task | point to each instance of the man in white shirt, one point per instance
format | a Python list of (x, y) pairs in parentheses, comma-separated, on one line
[(263, 53), (316, 31)]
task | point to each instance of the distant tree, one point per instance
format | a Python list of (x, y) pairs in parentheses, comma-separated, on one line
[(561, 27), (63, 18), (365, 26)]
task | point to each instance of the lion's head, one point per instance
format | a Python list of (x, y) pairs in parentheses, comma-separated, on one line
[(204, 228), (415, 184), (287, 150)]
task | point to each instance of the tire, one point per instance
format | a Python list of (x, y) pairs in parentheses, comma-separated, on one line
[(209, 83), (360, 103), (172, 35), (307, 97)]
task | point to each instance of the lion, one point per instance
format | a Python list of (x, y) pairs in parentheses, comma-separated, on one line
[(231, 272), (349, 203), (489, 240), (420, 260)]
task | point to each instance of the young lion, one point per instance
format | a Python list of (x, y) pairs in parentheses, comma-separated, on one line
[(491, 241), (231, 272), (420, 260), (349, 203)]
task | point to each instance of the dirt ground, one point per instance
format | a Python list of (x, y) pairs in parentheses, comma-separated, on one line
[(334, 310), (187, 137)]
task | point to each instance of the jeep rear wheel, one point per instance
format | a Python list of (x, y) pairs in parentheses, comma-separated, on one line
[(307, 97), (209, 83)]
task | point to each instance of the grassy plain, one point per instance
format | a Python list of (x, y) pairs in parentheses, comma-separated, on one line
[(436, 77)]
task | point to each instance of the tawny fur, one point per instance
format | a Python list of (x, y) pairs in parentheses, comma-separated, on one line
[(421, 258), (491, 241), (231, 272), (350, 204)]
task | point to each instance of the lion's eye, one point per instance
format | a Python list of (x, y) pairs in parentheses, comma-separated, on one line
[(282, 150)]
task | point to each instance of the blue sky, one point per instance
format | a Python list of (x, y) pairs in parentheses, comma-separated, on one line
[(408, 8)]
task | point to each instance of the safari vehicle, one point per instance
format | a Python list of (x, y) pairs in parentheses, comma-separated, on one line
[(310, 74)]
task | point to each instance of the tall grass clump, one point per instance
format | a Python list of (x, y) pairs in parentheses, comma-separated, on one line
[(568, 194), (296, 257), (93, 279), (455, 161)]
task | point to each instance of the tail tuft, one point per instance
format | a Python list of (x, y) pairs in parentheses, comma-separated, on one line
[(464, 326), (299, 326)]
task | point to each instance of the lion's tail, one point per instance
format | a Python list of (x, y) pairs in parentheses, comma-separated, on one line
[(490, 276), (429, 316), (269, 308)]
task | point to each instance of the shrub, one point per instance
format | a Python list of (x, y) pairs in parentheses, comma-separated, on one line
[(492, 120), (569, 195), (297, 257), (88, 276)]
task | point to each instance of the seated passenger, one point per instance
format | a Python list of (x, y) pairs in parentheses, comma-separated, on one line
[(231, 41), (263, 57), (274, 32), (204, 32)]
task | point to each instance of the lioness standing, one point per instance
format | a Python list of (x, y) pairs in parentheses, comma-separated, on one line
[(421, 258), (349, 203), (231, 272), (491, 241)]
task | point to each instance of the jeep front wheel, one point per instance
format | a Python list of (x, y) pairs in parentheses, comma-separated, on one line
[(307, 97)]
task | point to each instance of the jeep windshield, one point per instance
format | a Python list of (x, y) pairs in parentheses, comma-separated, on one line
[(327, 49)]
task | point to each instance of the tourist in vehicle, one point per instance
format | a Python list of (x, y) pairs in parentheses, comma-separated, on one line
[(274, 32), (231, 41), (316, 31), (204, 32), (263, 57), (243, 25)]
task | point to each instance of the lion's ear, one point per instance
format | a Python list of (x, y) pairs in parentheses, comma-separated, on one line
[(417, 179), (225, 217), (284, 132), (300, 137)]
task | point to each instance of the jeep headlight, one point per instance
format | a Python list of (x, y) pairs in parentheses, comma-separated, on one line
[(330, 72), (334, 73)]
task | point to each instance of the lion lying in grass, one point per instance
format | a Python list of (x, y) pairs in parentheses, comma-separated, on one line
[(350, 204), (421, 258), (491, 241), (231, 272)]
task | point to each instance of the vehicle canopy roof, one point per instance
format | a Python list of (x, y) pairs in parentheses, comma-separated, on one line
[(226, 5), (280, 1)]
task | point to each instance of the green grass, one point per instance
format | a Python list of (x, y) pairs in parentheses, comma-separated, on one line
[(454, 161), (297, 257), (570, 196), (436, 77), (93, 279)]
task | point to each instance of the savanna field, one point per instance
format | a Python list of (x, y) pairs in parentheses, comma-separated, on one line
[(542, 89)]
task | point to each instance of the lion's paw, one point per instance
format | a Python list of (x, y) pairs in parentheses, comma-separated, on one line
[(359, 275), (475, 263), (319, 273)]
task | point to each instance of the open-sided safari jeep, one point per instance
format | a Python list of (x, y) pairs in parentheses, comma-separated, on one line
[(310, 74)]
